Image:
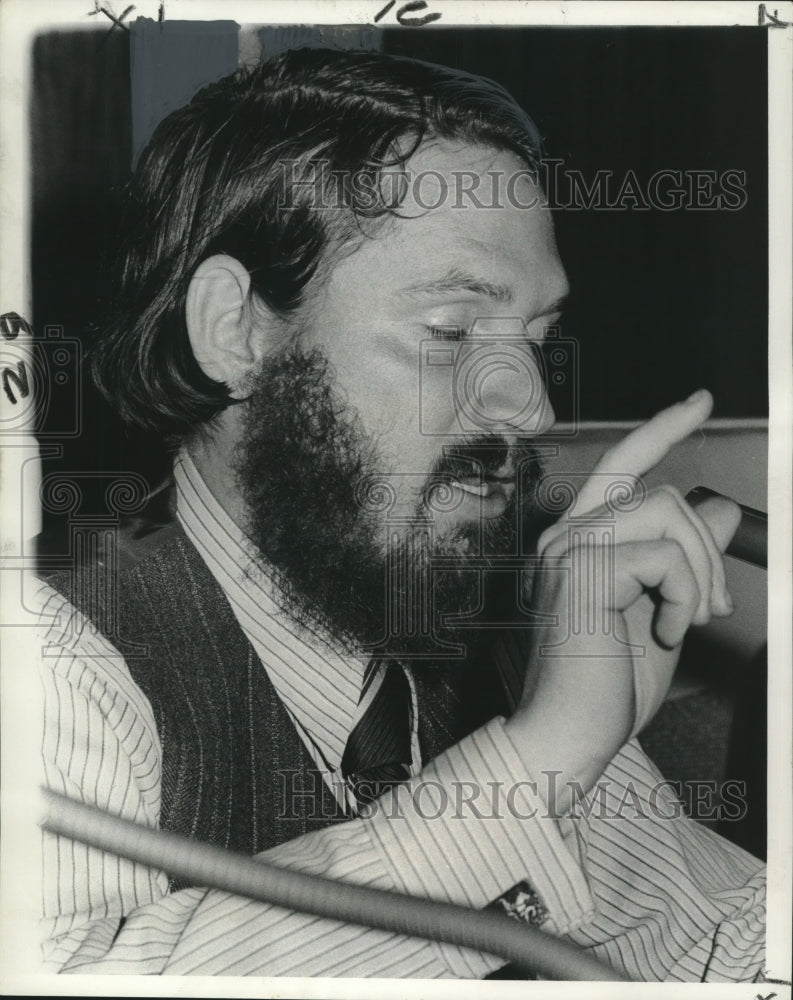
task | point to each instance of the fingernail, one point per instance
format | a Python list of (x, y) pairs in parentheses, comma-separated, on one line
[(695, 397)]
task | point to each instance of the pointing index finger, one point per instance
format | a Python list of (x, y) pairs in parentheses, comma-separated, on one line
[(644, 447)]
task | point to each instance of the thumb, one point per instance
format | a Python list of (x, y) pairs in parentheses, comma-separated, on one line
[(722, 516)]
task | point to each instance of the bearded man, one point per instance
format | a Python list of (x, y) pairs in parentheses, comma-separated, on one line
[(314, 660)]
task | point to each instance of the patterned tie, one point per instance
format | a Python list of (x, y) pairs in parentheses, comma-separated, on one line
[(378, 751)]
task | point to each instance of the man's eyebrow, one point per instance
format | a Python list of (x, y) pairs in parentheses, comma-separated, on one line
[(457, 280)]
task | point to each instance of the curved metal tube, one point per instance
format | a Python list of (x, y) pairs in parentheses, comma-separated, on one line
[(491, 932)]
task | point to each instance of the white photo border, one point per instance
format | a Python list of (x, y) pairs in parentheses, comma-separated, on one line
[(20, 22)]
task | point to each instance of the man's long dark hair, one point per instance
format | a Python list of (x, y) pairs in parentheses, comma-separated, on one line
[(238, 171)]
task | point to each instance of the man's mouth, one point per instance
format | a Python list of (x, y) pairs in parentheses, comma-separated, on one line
[(484, 481), (485, 486), (491, 494)]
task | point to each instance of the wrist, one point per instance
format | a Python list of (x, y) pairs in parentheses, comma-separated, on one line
[(555, 757)]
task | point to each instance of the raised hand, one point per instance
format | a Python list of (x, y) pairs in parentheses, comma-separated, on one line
[(659, 571)]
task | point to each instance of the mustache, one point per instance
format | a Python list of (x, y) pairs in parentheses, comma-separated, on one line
[(485, 455)]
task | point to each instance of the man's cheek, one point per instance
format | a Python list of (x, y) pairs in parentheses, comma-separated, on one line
[(437, 420)]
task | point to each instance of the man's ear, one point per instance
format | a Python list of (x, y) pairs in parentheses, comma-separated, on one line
[(224, 341)]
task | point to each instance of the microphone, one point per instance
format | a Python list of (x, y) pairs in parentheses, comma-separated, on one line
[(750, 541)]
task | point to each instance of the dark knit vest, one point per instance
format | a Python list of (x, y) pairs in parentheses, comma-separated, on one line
[(235, 772)]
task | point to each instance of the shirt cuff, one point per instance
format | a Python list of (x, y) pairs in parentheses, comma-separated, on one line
[(467, 829)]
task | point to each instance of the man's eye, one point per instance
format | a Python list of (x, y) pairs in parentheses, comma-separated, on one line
[(450, 332)]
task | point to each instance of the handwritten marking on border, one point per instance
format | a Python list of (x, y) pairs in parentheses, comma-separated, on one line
[(117, 19), (409, 8), (20, 380), (12, 324), (766, 20)]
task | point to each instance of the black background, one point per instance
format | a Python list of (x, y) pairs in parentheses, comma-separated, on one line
[(663, 302)]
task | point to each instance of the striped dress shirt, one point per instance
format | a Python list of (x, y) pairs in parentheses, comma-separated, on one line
[(625, 874)]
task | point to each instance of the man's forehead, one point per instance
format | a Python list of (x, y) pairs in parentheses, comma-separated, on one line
[(425, 268), (504, 267), (443, 175), (441, 245)]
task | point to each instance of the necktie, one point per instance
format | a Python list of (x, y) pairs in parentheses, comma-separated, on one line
[(378, 751)]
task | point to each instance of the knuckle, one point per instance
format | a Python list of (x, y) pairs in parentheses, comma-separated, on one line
[(668, 499), (673, 492)]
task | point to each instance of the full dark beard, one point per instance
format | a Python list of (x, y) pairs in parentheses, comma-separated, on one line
[(317, 504)]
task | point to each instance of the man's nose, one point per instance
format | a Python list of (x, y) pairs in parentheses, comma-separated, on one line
[(501, 386)]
